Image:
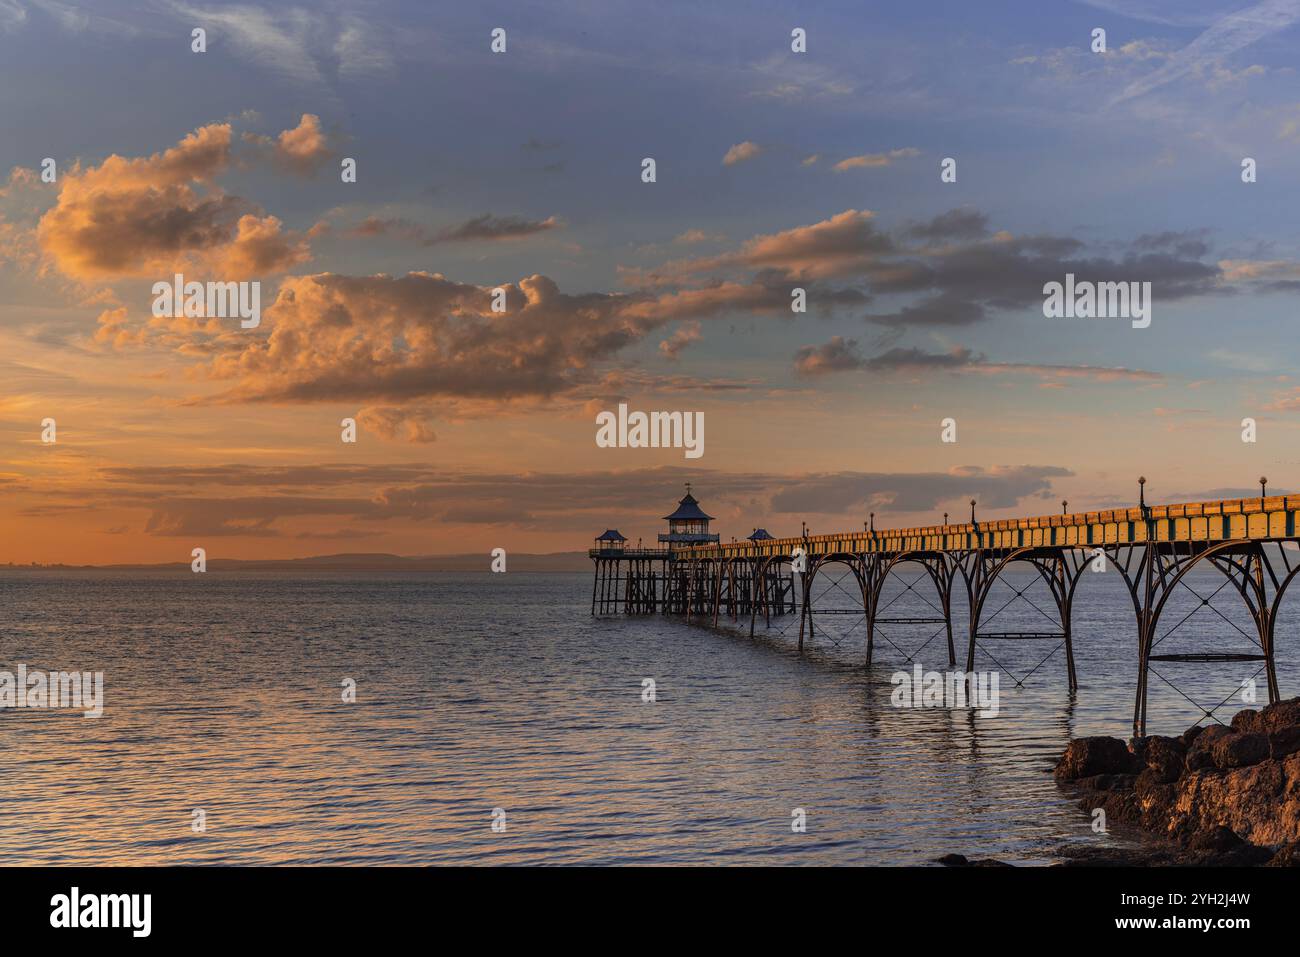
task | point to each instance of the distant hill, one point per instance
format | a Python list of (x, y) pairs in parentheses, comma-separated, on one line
[(370, 562)]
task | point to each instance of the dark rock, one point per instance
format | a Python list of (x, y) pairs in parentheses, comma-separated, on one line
[(1108, 782), (960, 860), (1219, 839), (1111, 856), (1198, 759), (1150, 786), (1284, 741), (1165, 757), (1154, 801), (1244, 854), (1244, 721), (1200, 754), (1288, 855), (1240, 750), (1087, 757), (1121, 807), (1219, 795), (1284, 714)]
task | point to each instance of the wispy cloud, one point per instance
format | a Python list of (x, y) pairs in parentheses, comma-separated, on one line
[(874, 160), (1233, 32), (485, 228), (843, 355)]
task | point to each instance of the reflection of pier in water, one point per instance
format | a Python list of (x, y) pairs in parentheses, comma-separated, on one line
[(841, 577)]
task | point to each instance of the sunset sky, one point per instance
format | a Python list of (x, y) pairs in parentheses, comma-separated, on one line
[(522, 170)]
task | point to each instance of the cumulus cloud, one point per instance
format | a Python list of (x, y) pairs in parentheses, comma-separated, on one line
[(837, 355), (113, 329), (394, 343), (20, 178), (952, 270), (393, 422), (259, 247), (396, 340), (152, 215), (1271, 275), (393, 339), (846, 244), (741, 152), (130, 216), (673, 346), (301, 150), (399, 342)]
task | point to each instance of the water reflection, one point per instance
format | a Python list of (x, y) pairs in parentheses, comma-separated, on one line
[(484, 691)]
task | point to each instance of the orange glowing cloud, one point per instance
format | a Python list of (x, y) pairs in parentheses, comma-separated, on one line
[(301, 150), (152, 215)]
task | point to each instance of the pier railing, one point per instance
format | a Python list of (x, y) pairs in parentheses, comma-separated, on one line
[(652, 553), (1273, 517)]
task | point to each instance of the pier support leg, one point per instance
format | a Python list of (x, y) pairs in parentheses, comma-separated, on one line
[(805, 613)]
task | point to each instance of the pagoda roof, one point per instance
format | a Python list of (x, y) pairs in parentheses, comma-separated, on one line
[(760, 535), (611, 535), (688, 508)]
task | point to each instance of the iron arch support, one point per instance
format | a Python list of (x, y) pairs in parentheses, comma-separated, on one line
[(940, 568), (1218, 556), (1052, 566)]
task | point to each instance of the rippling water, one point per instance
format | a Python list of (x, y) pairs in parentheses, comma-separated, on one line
[(478, 691)]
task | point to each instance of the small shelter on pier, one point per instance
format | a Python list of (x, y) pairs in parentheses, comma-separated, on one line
[(611, 540)]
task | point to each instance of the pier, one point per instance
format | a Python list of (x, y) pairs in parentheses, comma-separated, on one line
[(1252, 542)]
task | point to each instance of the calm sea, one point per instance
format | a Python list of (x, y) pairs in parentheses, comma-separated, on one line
[(477, 692)]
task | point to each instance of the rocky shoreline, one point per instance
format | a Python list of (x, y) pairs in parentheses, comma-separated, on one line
[(1226, 795)]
